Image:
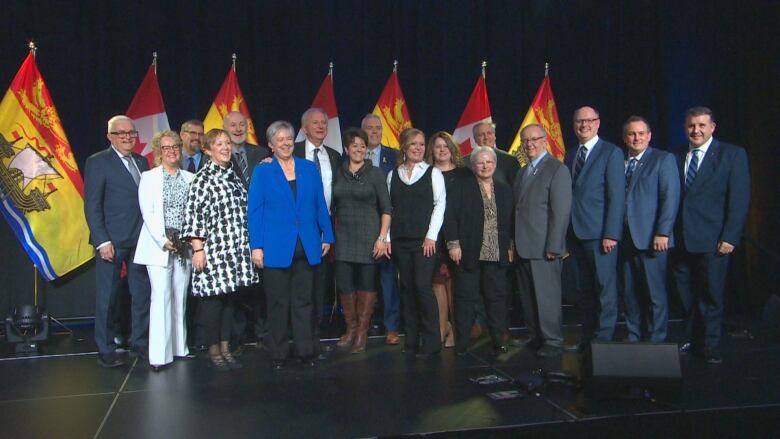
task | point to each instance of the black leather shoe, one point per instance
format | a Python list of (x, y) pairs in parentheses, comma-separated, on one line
[(156, 367), (109, 359), (277, 364), (306, 361), (189, 356), (547, 351), (498, 350), (686, 348)]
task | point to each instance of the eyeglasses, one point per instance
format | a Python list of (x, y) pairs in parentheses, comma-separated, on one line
[(124, 133), (170, 147), (531, 140), (585, 121), (194, 133), (484, 163)]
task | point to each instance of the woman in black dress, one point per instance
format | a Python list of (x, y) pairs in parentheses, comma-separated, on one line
[(361, 208)]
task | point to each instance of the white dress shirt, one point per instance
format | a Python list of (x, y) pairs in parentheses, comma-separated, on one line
[(703, 153), (589, 147), (327, 173), (439, 194)]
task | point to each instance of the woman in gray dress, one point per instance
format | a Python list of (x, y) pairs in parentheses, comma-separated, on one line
[(362, 211)]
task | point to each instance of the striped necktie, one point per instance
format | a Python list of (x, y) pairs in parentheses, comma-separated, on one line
[(693, 168), (241, 159), (630, 171), (580, 162), (133, 170), (317, 160), (191, 165)]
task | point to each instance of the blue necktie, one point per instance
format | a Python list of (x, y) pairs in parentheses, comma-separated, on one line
[(580, 162), (630, 171), (693, 168), (191, 166), (317, 160)]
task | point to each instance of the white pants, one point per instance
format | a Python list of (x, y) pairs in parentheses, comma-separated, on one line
[(167, 331)]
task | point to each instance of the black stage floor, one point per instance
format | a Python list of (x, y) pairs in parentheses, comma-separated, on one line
[(66, 394)]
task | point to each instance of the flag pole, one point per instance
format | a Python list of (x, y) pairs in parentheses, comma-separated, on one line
[(484, 66), (395, 66), (32, 47), (154, 62), (546, 69), (234, 61)]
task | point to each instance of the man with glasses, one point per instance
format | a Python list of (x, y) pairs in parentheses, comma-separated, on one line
[(599, 193), (111, 208), (192, 159), (542, 193)]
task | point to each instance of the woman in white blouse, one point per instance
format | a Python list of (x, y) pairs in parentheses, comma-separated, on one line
[(162, 193)]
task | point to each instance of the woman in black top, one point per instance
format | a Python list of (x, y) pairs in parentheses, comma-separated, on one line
[(443, 153), (479, 229), (361, 208), (419, 198)]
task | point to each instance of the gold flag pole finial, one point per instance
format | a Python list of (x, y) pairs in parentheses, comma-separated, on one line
[(32, 47), (546, 68), (234, 61), (395, 65), (484, 66), (154, 61)]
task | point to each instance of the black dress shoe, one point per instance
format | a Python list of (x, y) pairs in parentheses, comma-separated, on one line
[(686, 348), (548, 351), (109, 359), (502, 349), (277, 364), (156, 367), (189, 356), (306, 361)]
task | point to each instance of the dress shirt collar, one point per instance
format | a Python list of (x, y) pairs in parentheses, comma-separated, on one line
[(310, 148), (121, 156), (702, 148), (591, 143), (535, 162), (638, 156)]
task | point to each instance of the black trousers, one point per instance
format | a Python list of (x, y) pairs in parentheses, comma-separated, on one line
[(288, 293), (485, 284), (323, 283), (418, 304), (216, 317)]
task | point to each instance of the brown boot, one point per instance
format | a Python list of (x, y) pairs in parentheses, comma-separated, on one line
[(350, 320), (365, 308)]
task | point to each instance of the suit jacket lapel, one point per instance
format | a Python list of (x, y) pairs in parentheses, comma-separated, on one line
[(644, 163), (531, 179), (279, 176), (708, 166), (592, 157), (120, 167)]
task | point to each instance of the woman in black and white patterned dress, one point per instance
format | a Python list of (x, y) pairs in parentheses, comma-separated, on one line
[(215, 222)]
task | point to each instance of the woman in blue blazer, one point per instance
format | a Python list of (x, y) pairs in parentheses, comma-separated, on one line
[(289, 233)]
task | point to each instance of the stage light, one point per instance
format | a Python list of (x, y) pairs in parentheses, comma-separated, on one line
[(26, 326)]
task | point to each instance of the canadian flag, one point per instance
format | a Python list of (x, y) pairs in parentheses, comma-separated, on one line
[(477, 110), (326, 100), (148, 113)]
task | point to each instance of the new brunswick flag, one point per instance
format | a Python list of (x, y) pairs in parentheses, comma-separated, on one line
[(544, 112), (391, 109), (230, 98), (42, 190)]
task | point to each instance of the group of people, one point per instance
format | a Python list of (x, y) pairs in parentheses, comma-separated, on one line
[(445, 239)]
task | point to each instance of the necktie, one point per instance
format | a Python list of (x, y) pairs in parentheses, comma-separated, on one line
[(370, 156), (242, 165), (579, 163), (191, 165), (529, 171), (133, 170), (317, 160), (630, 171), (693, 168)]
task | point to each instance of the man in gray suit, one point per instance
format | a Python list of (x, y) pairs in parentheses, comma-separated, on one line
[(111, 207), (652, 199), (543, 195)]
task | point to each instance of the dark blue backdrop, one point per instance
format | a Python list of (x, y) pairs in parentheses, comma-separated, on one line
[(653, 58)]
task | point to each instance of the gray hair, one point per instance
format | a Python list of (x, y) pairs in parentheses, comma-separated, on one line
[(477, 125), (307, 114), (482, 150), (369, 116), (277, 126), (118, 118)]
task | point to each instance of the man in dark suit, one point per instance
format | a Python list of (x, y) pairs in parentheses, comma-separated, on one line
[(599, 193), (542, 206), (111, 208), (384, 158), (652, 199), (485, 135), (251, 302), (192, 159), (314, 123), (716, 197), (245, 155)]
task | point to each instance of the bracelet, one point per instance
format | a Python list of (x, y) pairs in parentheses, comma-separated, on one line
[(198, 250), (382, 239)]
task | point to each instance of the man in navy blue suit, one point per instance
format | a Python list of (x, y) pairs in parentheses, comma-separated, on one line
[(716, 197), (384, 158), (111, 207), (652, 198), (599, 191)]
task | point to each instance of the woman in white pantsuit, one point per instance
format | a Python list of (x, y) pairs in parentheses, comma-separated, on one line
[(162, 194)]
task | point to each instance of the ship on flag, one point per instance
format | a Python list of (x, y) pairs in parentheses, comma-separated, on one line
[(41, 190)]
